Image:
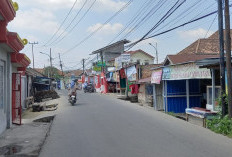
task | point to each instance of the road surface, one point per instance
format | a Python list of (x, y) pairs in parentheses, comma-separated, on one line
[(103, 126)]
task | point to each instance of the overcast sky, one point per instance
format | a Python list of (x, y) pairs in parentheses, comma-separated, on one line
[(40, 20)]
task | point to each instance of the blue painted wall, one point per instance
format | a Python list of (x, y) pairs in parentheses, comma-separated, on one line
[(178, 104)]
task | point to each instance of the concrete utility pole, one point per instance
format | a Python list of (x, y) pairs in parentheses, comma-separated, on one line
[(228, 55), (32, 46), (83, 63), (222, 64), (102, 68), (61, 66), (156, 51), (50, 56)]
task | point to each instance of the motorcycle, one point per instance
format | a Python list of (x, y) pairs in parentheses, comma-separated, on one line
[(89, 88), (72, 99)]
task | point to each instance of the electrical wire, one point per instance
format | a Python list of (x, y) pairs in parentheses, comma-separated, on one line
[(55, 41), (61, 23), (186, 23), (94, 32)]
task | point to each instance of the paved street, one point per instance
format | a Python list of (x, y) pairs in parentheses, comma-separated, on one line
[(103, 126)]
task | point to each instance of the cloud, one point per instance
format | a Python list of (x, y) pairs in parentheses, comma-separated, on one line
[(194, 34), (109, 5), (35, 19), (100, 5), (107, 29)]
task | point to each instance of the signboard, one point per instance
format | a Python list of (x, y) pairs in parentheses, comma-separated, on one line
[(99, 63), (156, 77), (185, 71), (96, 68), (111, 69), (118, 63), (125, 58), (131, 73)]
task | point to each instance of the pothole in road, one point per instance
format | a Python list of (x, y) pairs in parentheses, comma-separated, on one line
[(10, 149), (45, 119)]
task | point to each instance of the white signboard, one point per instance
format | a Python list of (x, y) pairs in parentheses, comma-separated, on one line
[(185, 71), (125, 58)]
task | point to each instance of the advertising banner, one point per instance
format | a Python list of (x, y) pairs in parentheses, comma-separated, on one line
[(131, 73), (185, 71), (156, 77)]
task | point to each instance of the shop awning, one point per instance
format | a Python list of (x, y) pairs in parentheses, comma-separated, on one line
[(20, 59)]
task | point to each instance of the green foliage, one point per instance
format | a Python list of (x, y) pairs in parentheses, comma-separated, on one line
[(171, 114), (220, 125), (52, 70)]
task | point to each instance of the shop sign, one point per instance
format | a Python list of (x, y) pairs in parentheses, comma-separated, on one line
[(125, 58), (96, 68), (131, 73), (185, 71), (99, 63), (118, 63), (156, 77)]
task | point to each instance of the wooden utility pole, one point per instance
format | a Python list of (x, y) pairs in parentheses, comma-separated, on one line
[(32, 48), (222, 63), (228, 55)]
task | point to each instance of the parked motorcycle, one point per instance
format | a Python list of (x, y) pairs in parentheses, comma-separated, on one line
[(89, 88)]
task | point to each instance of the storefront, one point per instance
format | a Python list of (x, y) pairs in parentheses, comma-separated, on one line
[(10, 45), (156, 80), (182, 86)]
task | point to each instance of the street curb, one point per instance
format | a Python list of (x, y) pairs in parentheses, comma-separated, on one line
[(47, 134)]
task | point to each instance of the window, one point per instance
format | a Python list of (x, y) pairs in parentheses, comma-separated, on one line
[(138, 61)]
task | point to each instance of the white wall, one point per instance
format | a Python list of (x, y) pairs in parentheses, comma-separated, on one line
[(142, 57), (3, 109)]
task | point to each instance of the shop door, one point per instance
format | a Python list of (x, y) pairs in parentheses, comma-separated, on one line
[(16, 98)]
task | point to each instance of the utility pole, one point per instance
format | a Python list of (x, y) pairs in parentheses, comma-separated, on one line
[(83, 63), (228, 55), (102, 70), (156, 51), (61, 66), (222, 63), (51, 62), (32, 46)]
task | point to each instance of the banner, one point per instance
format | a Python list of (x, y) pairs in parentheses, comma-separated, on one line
[(156, 77), (131, 73), (185, 71)]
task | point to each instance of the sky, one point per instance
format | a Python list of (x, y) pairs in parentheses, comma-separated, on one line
[(75, 33)]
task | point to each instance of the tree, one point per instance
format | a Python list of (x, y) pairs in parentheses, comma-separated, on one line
[(52, 72)]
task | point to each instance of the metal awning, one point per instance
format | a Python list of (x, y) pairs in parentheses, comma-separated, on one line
[(106, 47)]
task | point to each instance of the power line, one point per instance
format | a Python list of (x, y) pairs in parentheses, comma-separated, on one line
[(61, 23), (54, 41), (210, 26), (94, 32), (191, 21)]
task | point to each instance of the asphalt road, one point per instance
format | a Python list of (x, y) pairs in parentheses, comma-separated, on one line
[(103, 126)]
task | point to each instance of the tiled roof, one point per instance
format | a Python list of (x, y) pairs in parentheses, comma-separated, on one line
[(39, 70), (75, 72), (136, 51), (176, 59), (208, 46)]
